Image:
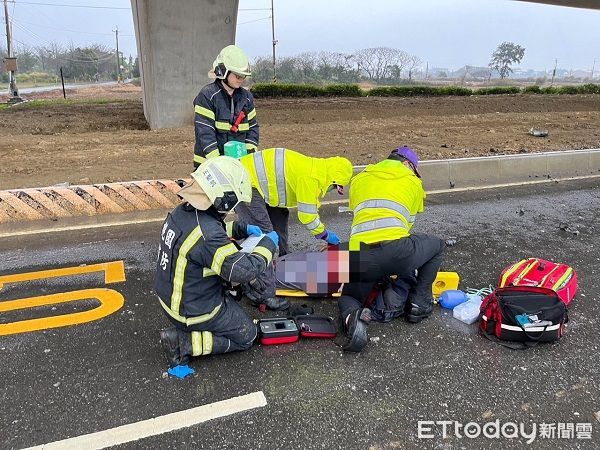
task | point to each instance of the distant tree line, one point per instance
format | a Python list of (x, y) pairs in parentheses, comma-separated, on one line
[(377, 65), (92, 63)]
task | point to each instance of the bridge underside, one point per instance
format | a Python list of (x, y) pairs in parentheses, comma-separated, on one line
[(589, 4), (177, 42)]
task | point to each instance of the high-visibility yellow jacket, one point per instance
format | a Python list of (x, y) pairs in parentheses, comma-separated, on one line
[(385, 199), (286, 178)]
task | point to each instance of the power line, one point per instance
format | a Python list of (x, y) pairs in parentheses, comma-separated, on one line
[(252, 21), (32, 34), (69, 6), (70, 31)]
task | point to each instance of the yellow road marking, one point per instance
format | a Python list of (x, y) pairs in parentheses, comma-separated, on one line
[(114, 272), (110, 301)]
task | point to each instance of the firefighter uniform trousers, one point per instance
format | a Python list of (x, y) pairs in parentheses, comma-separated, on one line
[(196, 261), (267, 218), (401, 257), (230, 331)]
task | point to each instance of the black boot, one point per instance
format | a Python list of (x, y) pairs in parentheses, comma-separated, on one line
[(170, 341), (273, 303), (356, 327), (416, 313)]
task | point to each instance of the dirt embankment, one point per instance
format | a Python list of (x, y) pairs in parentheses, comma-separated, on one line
[(94, 143)]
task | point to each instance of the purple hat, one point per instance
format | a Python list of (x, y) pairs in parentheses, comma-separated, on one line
[(408, 154)]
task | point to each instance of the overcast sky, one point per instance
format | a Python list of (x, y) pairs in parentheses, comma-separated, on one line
[(443, 33)]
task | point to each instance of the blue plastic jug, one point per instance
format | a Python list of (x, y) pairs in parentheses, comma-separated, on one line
[(451, 298)]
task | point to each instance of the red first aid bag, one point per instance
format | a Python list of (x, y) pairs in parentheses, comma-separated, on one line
[(536, 272)]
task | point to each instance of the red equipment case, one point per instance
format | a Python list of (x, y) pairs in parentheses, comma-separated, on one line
[(278, 331), (537, 272)]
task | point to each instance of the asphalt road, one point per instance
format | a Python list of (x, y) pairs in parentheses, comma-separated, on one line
[(66, 382), (32, 90)]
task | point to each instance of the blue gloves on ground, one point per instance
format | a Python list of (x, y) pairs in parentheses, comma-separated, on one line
[(274, 237), (253, 230), (329, 236)]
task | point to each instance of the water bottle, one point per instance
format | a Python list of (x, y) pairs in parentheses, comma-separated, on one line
[(468, 312), (451, 298)]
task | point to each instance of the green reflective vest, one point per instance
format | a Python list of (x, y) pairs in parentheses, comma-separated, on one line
[(385, 198)]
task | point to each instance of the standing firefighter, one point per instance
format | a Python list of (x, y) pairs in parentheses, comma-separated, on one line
[(224, 111), (283, 178), (385, 199), (197, 260)]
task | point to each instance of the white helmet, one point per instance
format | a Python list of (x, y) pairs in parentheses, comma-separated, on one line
[(222, 182)]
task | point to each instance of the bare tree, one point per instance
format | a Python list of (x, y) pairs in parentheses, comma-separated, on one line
[(374, 62), (306, 65), (413, 63), (49, 56), (382, 62)]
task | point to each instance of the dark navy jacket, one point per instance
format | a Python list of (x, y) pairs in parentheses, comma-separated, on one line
[(196, 258)]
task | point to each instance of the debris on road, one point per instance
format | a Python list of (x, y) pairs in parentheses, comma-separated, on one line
[(538, 133), (566, 227), (450, 242), (181, 371)]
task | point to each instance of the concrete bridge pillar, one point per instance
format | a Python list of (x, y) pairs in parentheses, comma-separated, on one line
[(177, 42)]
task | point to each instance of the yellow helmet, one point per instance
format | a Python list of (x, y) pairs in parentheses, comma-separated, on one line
[(222, 182), (231, 59)]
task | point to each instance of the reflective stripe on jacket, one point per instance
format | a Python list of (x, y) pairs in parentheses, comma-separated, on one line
[(195, 256), (214, 114), (286, 178), (385, 199)]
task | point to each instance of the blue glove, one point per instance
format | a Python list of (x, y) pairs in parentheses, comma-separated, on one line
[(329, 236), (274, 237), (253, 230)]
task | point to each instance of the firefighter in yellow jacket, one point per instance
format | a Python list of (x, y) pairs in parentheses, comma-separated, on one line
[(282, 178), (385, 198)]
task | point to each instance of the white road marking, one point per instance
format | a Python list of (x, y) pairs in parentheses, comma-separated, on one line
[(159, 425)]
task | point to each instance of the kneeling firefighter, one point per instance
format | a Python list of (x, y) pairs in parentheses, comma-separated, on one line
[(384, 254), (197, 261), (282, 178)]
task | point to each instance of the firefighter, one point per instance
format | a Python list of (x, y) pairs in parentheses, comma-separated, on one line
[(224, 111), (197, 261), (282, 178), (385, 199)]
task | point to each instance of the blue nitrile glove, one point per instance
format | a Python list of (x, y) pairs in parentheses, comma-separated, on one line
[(274, 237), (329, 236), (253, 230)]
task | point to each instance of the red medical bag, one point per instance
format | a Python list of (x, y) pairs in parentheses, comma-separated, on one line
[(536, 272)]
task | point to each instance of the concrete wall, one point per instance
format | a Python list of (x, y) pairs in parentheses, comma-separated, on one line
[(177, 42)]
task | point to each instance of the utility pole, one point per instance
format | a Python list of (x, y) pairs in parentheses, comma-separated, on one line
[(554, 71), (274, 41), (118, 57), (593, 67), (11, 62)]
